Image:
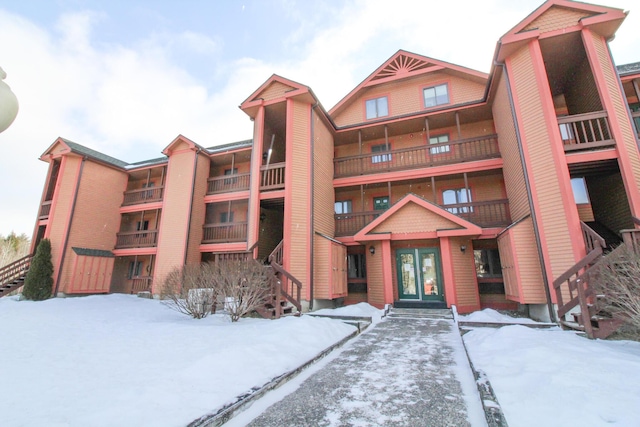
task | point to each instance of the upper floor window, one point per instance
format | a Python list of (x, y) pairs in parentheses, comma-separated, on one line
[(381, 203), (226, 217), (487, 263), (437, 140), (455, 197), (377, 107), (580, 194), (343, 207), (436, 95), (381, 157)]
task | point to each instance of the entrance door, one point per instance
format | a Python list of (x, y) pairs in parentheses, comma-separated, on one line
[(419, 275)]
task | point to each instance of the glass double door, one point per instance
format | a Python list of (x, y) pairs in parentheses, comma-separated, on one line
[(419, 276)]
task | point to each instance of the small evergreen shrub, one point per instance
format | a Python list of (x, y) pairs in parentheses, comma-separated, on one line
[(38, 284)]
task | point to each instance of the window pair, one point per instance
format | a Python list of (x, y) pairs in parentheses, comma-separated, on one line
[(432, 97)]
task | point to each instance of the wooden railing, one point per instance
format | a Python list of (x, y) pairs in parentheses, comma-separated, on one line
[(631, 238), (485, 147), (45, 210), (141, 284), (636, 121), (272, 176), (585, 131), (492, 213), (137, 239), (224, 232), (276, 255), (12, 275), (591, 239), (285, 285), (228, 183), (142, 195)]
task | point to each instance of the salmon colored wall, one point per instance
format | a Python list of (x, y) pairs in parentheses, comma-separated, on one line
[(513, 173), (406, 96), (412, 218), (274, 90), (464, 272), (270, 232), (298, 161), (129, 222), (238, 210), (323, 194), (96, 218), (119, 275), (582, 93), (375, 280), (218, 170), (508, 261), (585, 212), (556, 18), (557, 215), (253, 232), (198, 210), (90, 274), (321, 268), (174, 222), (156, 178), (531, 285)]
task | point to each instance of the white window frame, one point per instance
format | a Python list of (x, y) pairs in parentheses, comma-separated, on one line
[(380, 158), (437, 140), (458, 197), (376, 107), (435, 99)]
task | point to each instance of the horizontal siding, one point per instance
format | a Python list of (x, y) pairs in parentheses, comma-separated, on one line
[(321, 267), (374, 275), (273, 91), (412, 218), (532, 285), (323, 194), (556, 18), (464, 272), (198, 210)]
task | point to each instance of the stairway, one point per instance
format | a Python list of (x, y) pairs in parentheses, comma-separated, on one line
[(12, 276), (612, 240)]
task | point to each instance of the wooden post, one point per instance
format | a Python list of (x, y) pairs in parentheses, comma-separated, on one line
[(433, 187)]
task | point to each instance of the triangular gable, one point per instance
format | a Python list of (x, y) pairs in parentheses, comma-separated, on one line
[(181, 143), (401, 65), (58, 147), (275, 87), (558, 14), (413, 214)]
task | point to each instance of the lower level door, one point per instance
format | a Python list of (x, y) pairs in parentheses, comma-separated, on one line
[(419, 276)]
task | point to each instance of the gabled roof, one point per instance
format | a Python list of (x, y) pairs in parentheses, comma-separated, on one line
[(627, 69), (81, 150), (442, 223), (276, 88), (181, 140), (247, 143), (401, 65)]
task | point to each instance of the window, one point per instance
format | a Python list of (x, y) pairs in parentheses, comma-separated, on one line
[(224, 218), (437, 140), (148, 194), (457, 196), (381, 157), (356, 267), (377, 107), (343, 207), (436, 95), (142, 225), (487, 263), (135, 269), (580, 194), (566, 133), (381, 203), (635, 111), (228, 172)]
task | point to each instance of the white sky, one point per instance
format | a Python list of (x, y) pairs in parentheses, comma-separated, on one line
[(126, 77)]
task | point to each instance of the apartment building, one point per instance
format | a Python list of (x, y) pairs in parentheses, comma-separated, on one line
[(428, 185)]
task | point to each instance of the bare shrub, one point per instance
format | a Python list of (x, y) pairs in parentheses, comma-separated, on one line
[(617, 281), (243, 284), (191, 290)]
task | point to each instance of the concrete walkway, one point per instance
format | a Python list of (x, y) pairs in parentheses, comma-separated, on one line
[(405, 371)]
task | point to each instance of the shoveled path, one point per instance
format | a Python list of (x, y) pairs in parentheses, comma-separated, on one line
[(405, 371)]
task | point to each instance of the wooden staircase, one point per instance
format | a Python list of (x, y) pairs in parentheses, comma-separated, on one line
[(575, 283), (283, 299), (12, 276)]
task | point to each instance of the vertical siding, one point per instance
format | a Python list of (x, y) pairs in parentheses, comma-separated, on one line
[(508, 263), (174, 223), (464, 271), (96, 218), (198, 210), (513, 173), (321, 267), (300, 215), (552, 219)]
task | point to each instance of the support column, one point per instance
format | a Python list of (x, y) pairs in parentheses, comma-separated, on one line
[(387, 276), (447, 272)]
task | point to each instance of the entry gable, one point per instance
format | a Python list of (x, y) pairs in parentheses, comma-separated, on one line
[(414, 215), (181, 143), (274, 89)]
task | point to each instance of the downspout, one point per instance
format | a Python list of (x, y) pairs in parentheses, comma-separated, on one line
[(536, 230), (193, 190), (66, 238), (311, 228)]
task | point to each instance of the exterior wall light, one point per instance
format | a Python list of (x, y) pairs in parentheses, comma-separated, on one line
[(372, 250), (8, 103), (463, 248)]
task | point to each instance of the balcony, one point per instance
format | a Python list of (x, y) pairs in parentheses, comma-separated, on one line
[(493, 213), (636, 121), (143, 195), (272, 176), (585, 131), (228, 183), (224, 232), (45, 209), (137, 239), (464, 150)]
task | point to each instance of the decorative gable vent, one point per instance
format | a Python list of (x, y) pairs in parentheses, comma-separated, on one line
[(401, 65)]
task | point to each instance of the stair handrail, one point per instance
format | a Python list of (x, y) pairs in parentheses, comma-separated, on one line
[(282, 289), (277, 254), (13, 270), (591, 238)]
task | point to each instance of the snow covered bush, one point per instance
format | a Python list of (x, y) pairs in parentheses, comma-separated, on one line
[(617, 278), (191, 290), (38, 284), (243, 284)]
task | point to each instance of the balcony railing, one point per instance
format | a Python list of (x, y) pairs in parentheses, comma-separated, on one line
[(142, 195), (493, 213), (228, 183), (45, 209), (141, 284), (137, 239), (464, 150), (636, 121), (225, 232), (272, 176), (585, 131)]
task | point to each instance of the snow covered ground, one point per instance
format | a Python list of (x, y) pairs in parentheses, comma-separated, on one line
[(550, 377), (126, 361), (119, 360)]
